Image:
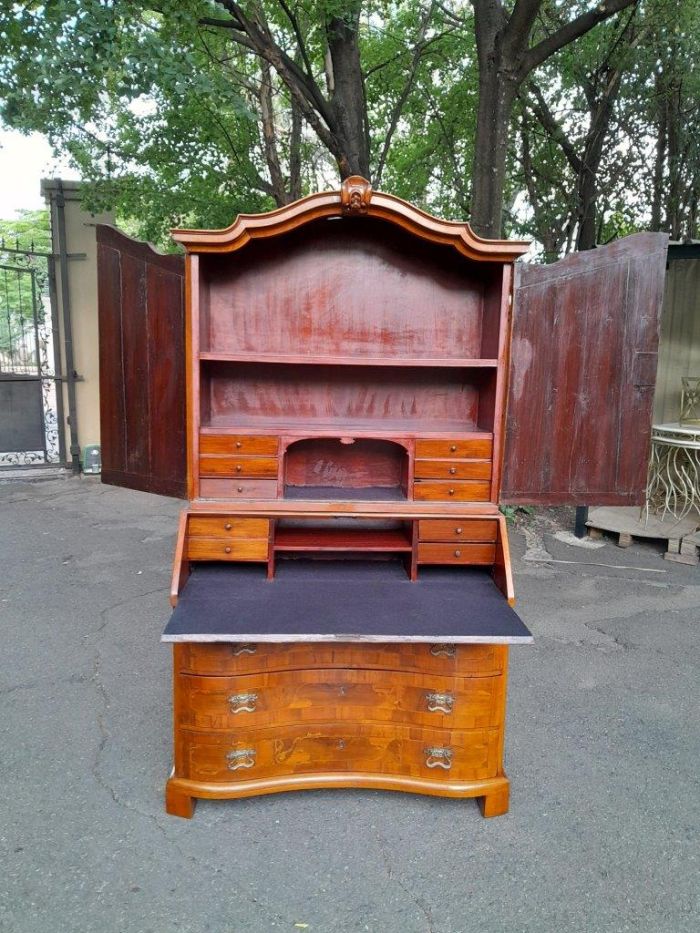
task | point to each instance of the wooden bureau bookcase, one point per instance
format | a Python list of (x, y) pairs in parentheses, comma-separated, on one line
[(342, 580)]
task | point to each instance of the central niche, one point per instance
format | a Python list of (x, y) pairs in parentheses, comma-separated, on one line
[(345, 468)]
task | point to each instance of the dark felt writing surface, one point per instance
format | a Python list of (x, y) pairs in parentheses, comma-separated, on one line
[(343, 601)]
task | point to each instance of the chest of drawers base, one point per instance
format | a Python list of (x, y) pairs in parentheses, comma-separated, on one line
[(256, 719)]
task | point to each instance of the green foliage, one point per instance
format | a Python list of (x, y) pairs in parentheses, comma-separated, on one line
[(161, 112), (514, 512), (30, 230)]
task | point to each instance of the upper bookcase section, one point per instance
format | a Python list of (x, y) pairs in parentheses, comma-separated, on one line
[(349, 276)]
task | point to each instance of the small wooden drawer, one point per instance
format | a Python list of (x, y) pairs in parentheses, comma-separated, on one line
[(226, 526), (227, 549), (238, 489), (422, 658), (464, 491), (479, 449), (258, 700), (456, 554), (237, 444), (238, 466), (447, 469), (249, 754), (458, 529)]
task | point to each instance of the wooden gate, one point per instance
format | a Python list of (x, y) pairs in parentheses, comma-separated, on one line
[(142, 365)]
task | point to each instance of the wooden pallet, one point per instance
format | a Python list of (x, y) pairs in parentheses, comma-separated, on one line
[(628, 523)]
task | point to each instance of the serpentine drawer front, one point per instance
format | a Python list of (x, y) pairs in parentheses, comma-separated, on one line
[(244, 657), (289, 697), (241, 755)]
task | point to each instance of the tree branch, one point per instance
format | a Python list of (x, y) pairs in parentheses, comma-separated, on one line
[(567, 33), (397, 109)]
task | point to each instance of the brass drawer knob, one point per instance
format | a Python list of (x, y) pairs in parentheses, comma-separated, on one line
[(239, 444), (238, 468), (451, 492), (240, 758), (227, 549), (438, 757), (443, 651), (458, 531), (458, 553), (236, 650), (243, 702), (239, 489), (440, 702), (453, 470), (228, 526), (453, 448)]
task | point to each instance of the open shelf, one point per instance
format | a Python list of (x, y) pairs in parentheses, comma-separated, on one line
[(341, 539), (301, 359), (352, 427), (347, 494)]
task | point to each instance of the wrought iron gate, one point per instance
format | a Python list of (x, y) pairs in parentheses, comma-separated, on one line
[(31, 399)]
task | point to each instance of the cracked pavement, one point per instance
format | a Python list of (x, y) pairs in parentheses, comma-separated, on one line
[(602, 751)]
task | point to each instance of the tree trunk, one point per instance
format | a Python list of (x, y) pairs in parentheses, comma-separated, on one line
[(347, 99), (497, 93), (601, 111), (658, 177)]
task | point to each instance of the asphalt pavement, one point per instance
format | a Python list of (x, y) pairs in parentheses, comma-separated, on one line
[(602, 751)]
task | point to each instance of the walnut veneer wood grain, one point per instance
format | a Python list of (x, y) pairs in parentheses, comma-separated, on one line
[(240, 444), (413, 751), (453, 469), (453, 490), (227, 549), (248, 658), (338, 694), (458, 529)]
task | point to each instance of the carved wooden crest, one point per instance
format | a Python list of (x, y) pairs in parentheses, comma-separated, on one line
[(355, 195)]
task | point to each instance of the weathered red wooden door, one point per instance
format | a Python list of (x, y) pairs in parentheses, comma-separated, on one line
[(142, 365), (582, 376)]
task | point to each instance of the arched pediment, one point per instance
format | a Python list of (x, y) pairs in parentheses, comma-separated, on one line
[(356, 201)]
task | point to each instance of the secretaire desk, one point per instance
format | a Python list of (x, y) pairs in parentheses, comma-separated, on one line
[(342, 586)]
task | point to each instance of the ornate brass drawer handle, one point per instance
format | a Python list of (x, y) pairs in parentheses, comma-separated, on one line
[(240, 758), (243, 649), (243, 702), (440, 702), (443, 651), (438, 757)]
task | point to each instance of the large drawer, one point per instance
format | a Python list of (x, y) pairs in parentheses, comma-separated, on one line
[(459, 529), (449, 469), (227, 549), (429, 553), (464, 491), (238, 488), (242, 657), (226, 526), (306, 749), (237, 444), (325, 695), (265, 467), (465, 448)]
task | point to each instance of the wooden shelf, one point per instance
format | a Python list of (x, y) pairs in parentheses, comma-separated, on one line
[(346, 493), (300, 359), (342, 427), (340, 539)]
